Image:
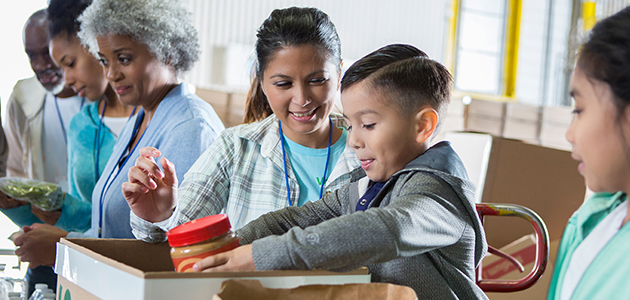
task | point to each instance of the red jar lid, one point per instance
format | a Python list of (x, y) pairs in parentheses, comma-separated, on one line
[(198, 230)]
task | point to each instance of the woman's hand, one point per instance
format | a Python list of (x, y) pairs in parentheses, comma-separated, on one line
[(6, 202), (38, 244), (239, 259), (151, 193), (48, 217)]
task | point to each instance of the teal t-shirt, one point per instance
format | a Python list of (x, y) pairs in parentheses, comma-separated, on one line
[(308, 165)]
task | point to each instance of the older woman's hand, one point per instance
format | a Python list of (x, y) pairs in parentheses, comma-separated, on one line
[(151, 193)]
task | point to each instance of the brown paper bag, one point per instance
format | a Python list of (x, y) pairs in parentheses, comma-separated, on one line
[(237, 289)]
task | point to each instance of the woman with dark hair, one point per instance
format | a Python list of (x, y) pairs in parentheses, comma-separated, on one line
[(293, 151), (593, 260)]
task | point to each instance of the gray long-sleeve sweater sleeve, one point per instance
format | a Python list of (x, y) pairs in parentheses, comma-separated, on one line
[(413, 224), (421, 230)]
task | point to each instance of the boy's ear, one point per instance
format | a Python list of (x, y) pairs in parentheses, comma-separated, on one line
[(426, 122)]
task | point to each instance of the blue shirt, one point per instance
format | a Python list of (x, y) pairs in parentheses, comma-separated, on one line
[(183, 126), (308, 165)]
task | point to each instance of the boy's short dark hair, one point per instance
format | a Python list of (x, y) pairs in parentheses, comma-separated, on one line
[(407, 75)]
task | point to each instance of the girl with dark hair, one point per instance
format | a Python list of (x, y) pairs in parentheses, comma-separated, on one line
[(292, 151), (593, 260), (92, 132)]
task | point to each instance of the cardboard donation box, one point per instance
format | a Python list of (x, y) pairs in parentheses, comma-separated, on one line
[(524, 250), (131, 269), (542, 179)]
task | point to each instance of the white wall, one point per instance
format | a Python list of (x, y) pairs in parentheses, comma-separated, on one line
[(363, 26)]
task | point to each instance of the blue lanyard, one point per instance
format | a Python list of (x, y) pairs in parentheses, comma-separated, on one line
[(284, 159), (63, 126), (105, 184), (98, 142), (98, 139)]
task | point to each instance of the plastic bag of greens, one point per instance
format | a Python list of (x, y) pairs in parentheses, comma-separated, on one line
[(44, 195)]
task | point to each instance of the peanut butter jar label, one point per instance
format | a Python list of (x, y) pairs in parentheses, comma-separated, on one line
[(184, 264)]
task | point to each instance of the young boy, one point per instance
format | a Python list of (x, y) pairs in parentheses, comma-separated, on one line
[(412, 220)]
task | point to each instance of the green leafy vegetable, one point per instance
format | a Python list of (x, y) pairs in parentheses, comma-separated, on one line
[(45, 195)]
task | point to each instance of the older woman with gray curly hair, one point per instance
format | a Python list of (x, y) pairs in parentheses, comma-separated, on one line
[(143, 45)]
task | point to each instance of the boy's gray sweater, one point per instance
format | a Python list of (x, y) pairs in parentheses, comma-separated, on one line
[(421, 230)]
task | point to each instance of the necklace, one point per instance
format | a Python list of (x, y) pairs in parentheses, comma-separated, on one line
[(284, 159)]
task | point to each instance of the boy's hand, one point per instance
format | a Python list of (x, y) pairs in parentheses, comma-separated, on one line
[(239, 259)]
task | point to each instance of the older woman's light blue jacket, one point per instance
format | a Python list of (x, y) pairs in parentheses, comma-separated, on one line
[(183, 127)]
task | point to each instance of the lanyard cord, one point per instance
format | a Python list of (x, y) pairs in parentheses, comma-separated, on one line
[(63, 126), (97, 149), (98, 141), (107, 183), (284, 159)]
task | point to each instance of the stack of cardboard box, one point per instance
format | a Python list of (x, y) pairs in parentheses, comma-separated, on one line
[(555, 122), (544, 126), (486, 116), (230, 106), (522, 122)]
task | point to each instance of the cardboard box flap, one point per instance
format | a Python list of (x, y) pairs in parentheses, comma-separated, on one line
[(114, 269), (132, 256)]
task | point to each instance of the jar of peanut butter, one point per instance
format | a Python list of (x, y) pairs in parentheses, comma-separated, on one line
[(198, 239)]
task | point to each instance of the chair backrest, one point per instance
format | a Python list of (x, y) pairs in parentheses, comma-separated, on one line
[(542, 248)]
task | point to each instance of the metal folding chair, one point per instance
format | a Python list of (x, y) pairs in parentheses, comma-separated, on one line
[(542, 248)]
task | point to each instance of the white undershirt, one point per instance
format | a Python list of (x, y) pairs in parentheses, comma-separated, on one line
[(115, 125), (54, 149), (588, 249)]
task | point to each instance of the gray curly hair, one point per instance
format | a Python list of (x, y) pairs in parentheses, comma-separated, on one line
[(164, 26)]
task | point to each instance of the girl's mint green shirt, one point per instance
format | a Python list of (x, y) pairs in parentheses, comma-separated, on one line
[(608, 275)]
